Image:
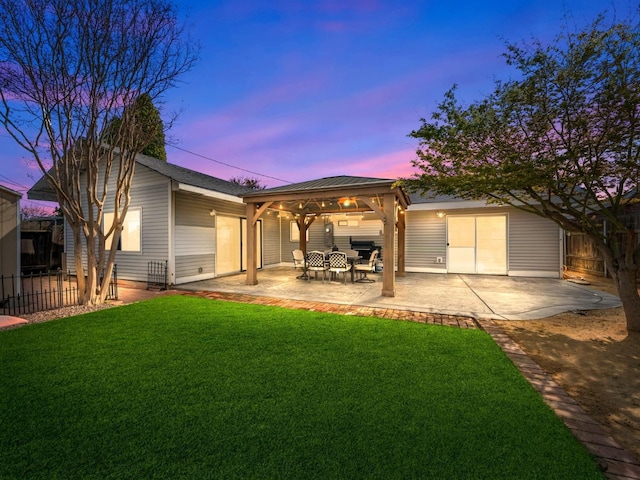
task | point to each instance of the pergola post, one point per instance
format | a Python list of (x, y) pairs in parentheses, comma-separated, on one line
[(252, 246), (388, 246)]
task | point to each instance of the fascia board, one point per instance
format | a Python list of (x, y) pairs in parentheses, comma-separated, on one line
[(209, 193)]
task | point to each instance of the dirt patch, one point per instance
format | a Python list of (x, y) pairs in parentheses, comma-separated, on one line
[(593, 357)]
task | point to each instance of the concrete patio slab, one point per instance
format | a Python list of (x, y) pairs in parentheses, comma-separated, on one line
[(477, 296)]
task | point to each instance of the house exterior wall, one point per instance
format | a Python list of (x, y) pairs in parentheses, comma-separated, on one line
[(358, 228), (534, 244), (9, 233), (425, 242), (151, 193), (195, 235), (270, 240)]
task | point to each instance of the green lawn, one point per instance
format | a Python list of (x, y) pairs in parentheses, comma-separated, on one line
[(182, 387)]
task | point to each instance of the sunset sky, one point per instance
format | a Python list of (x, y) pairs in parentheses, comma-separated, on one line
[(288, 91)]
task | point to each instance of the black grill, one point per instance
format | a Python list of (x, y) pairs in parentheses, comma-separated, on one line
[(364, 247)]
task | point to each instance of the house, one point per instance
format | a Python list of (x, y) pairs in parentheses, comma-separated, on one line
[(190, 220), (450, 235), (204, 227), (9, 232), (439, 235)]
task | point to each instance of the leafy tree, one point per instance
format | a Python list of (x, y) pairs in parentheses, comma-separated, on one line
[(562, 141), (253, 183), (68, 68), (149, 124)]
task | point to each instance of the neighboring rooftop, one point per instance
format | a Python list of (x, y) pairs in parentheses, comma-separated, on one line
[(10, 192)]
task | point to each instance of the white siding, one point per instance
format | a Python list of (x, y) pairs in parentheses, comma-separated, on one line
[(194, 210), (534, 245), (425, 242), (270, 240), (195, 267), (195, 236), (150, 192), (9, 233), (195, 240)]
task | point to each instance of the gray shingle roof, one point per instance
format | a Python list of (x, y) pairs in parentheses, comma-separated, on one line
[(430, 198), (43, 191), (327, 183), (191, 177)]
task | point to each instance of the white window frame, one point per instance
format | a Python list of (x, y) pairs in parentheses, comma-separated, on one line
[(131, 235), (294, 232)]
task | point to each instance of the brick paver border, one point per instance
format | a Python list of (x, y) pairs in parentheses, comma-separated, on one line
[(615, 461)]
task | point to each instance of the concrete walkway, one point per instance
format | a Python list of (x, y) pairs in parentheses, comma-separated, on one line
[(475, 296)]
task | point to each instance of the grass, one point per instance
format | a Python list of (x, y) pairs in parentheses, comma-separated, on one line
[(182, 387)]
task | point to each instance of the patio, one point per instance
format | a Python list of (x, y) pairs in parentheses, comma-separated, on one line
[(477, 296)]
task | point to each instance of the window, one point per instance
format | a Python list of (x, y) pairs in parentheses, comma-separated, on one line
[(295, 232), (130, 238)]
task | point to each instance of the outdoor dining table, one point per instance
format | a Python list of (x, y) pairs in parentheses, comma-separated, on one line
[(352, 259)]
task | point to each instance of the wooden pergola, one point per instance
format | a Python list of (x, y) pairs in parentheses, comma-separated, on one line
[(308, 201)]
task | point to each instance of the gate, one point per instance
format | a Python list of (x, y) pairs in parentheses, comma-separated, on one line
[(157, 275)]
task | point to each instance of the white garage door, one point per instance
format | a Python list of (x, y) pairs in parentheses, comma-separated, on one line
[(477, 244)]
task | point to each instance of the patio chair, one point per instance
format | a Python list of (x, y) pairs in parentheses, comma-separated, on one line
[(316, 263), (338, 264), (298, 259), (368, 267)]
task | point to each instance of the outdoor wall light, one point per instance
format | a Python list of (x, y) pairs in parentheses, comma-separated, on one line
[(212, 212), (440, 214)]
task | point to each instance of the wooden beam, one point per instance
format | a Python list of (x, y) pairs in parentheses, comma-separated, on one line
[(373, 206), (260, 211), (252, 246), (388, 246), (323, 194)]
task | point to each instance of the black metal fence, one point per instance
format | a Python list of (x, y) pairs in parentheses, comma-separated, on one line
[(157, 275), (32, 293)]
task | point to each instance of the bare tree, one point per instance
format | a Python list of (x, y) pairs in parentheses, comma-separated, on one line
[(35, 211), (67, 69)]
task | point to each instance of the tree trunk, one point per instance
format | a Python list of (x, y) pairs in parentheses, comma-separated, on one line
[(80, 275), (627, 285), (620, 258)]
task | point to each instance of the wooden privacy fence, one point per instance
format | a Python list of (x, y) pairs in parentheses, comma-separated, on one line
[(26, 294), (582, 255)]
